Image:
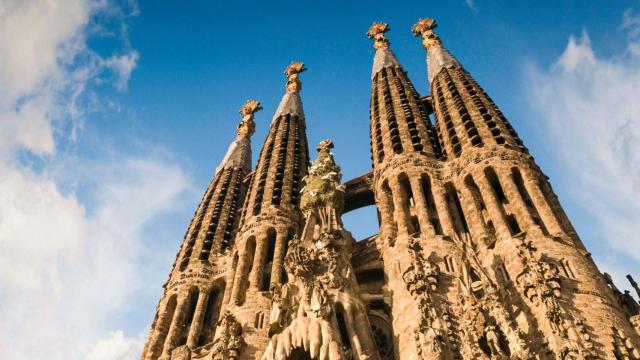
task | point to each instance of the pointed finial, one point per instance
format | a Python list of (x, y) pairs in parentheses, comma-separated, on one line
[(324, 145), (376, 32), (424, 28), (247, 127), (292, 72)]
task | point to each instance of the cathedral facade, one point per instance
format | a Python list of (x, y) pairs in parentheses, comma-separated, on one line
[(475, 257)]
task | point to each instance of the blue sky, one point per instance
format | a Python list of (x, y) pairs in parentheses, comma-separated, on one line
[(114, 114)]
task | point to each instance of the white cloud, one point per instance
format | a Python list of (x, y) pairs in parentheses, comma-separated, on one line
[(45, 65), (588, 107), (116, 347), (122, 65), (69, 263)]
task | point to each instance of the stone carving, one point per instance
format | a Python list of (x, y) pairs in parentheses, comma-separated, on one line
[(293, 72), (283, 307), (488, 328), (539, 281), (421, 280), (623, 346), (376, 32), (247, 126), (228, 342), (635, 321), (424, 28)]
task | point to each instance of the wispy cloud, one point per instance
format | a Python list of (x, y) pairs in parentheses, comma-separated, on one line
[(589, 109), (68, 263), (472, 5)]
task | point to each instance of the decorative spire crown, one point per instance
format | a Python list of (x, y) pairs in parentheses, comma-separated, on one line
[(293, 72), (322, 188), (247, 126), (424, 28), (376, 32)]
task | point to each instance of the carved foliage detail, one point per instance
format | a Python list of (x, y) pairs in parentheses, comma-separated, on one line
[(229, 341)]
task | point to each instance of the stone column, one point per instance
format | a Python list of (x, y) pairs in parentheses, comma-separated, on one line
[(531, 183), (154, 345), (255, 278), (421, 206), (439, 197), (278, 257), (518, 205), (176, 325), (471, 212), (387, 227), (198, 316), (240, 276), (493, 205), (400, 213)]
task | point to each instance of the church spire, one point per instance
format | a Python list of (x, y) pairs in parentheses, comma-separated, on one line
[(239, 152), (384, 57), (399, 118), (438, 56), (466, 118), (291, 102)]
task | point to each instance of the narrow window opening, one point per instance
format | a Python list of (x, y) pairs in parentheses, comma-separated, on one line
[(567, 269), (266, 271), (427, 192), (524, 194), (455, 209), (514, 227), (408, 202), (495, 185), (342, 327), (250, 249)]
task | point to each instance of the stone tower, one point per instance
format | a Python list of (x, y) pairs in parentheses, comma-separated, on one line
[(474, 259), (190, 305)]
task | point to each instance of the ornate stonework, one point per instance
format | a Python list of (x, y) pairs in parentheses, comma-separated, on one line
[(474, 259)]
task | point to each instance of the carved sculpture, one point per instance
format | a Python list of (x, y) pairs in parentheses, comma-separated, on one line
[(424, 28), (376, 32)]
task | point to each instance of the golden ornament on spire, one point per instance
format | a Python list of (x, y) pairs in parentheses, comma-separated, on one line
[(376, 32), (247, 126), (292, 72), (424, 28)]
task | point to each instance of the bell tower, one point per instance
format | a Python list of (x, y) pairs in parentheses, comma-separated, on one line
[(193, 295), (271, 215)]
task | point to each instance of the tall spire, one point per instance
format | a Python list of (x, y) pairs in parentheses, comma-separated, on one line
[(466, 118), (291, 102), (239, 152), (399, 119), (384, 57), (437, 56)]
